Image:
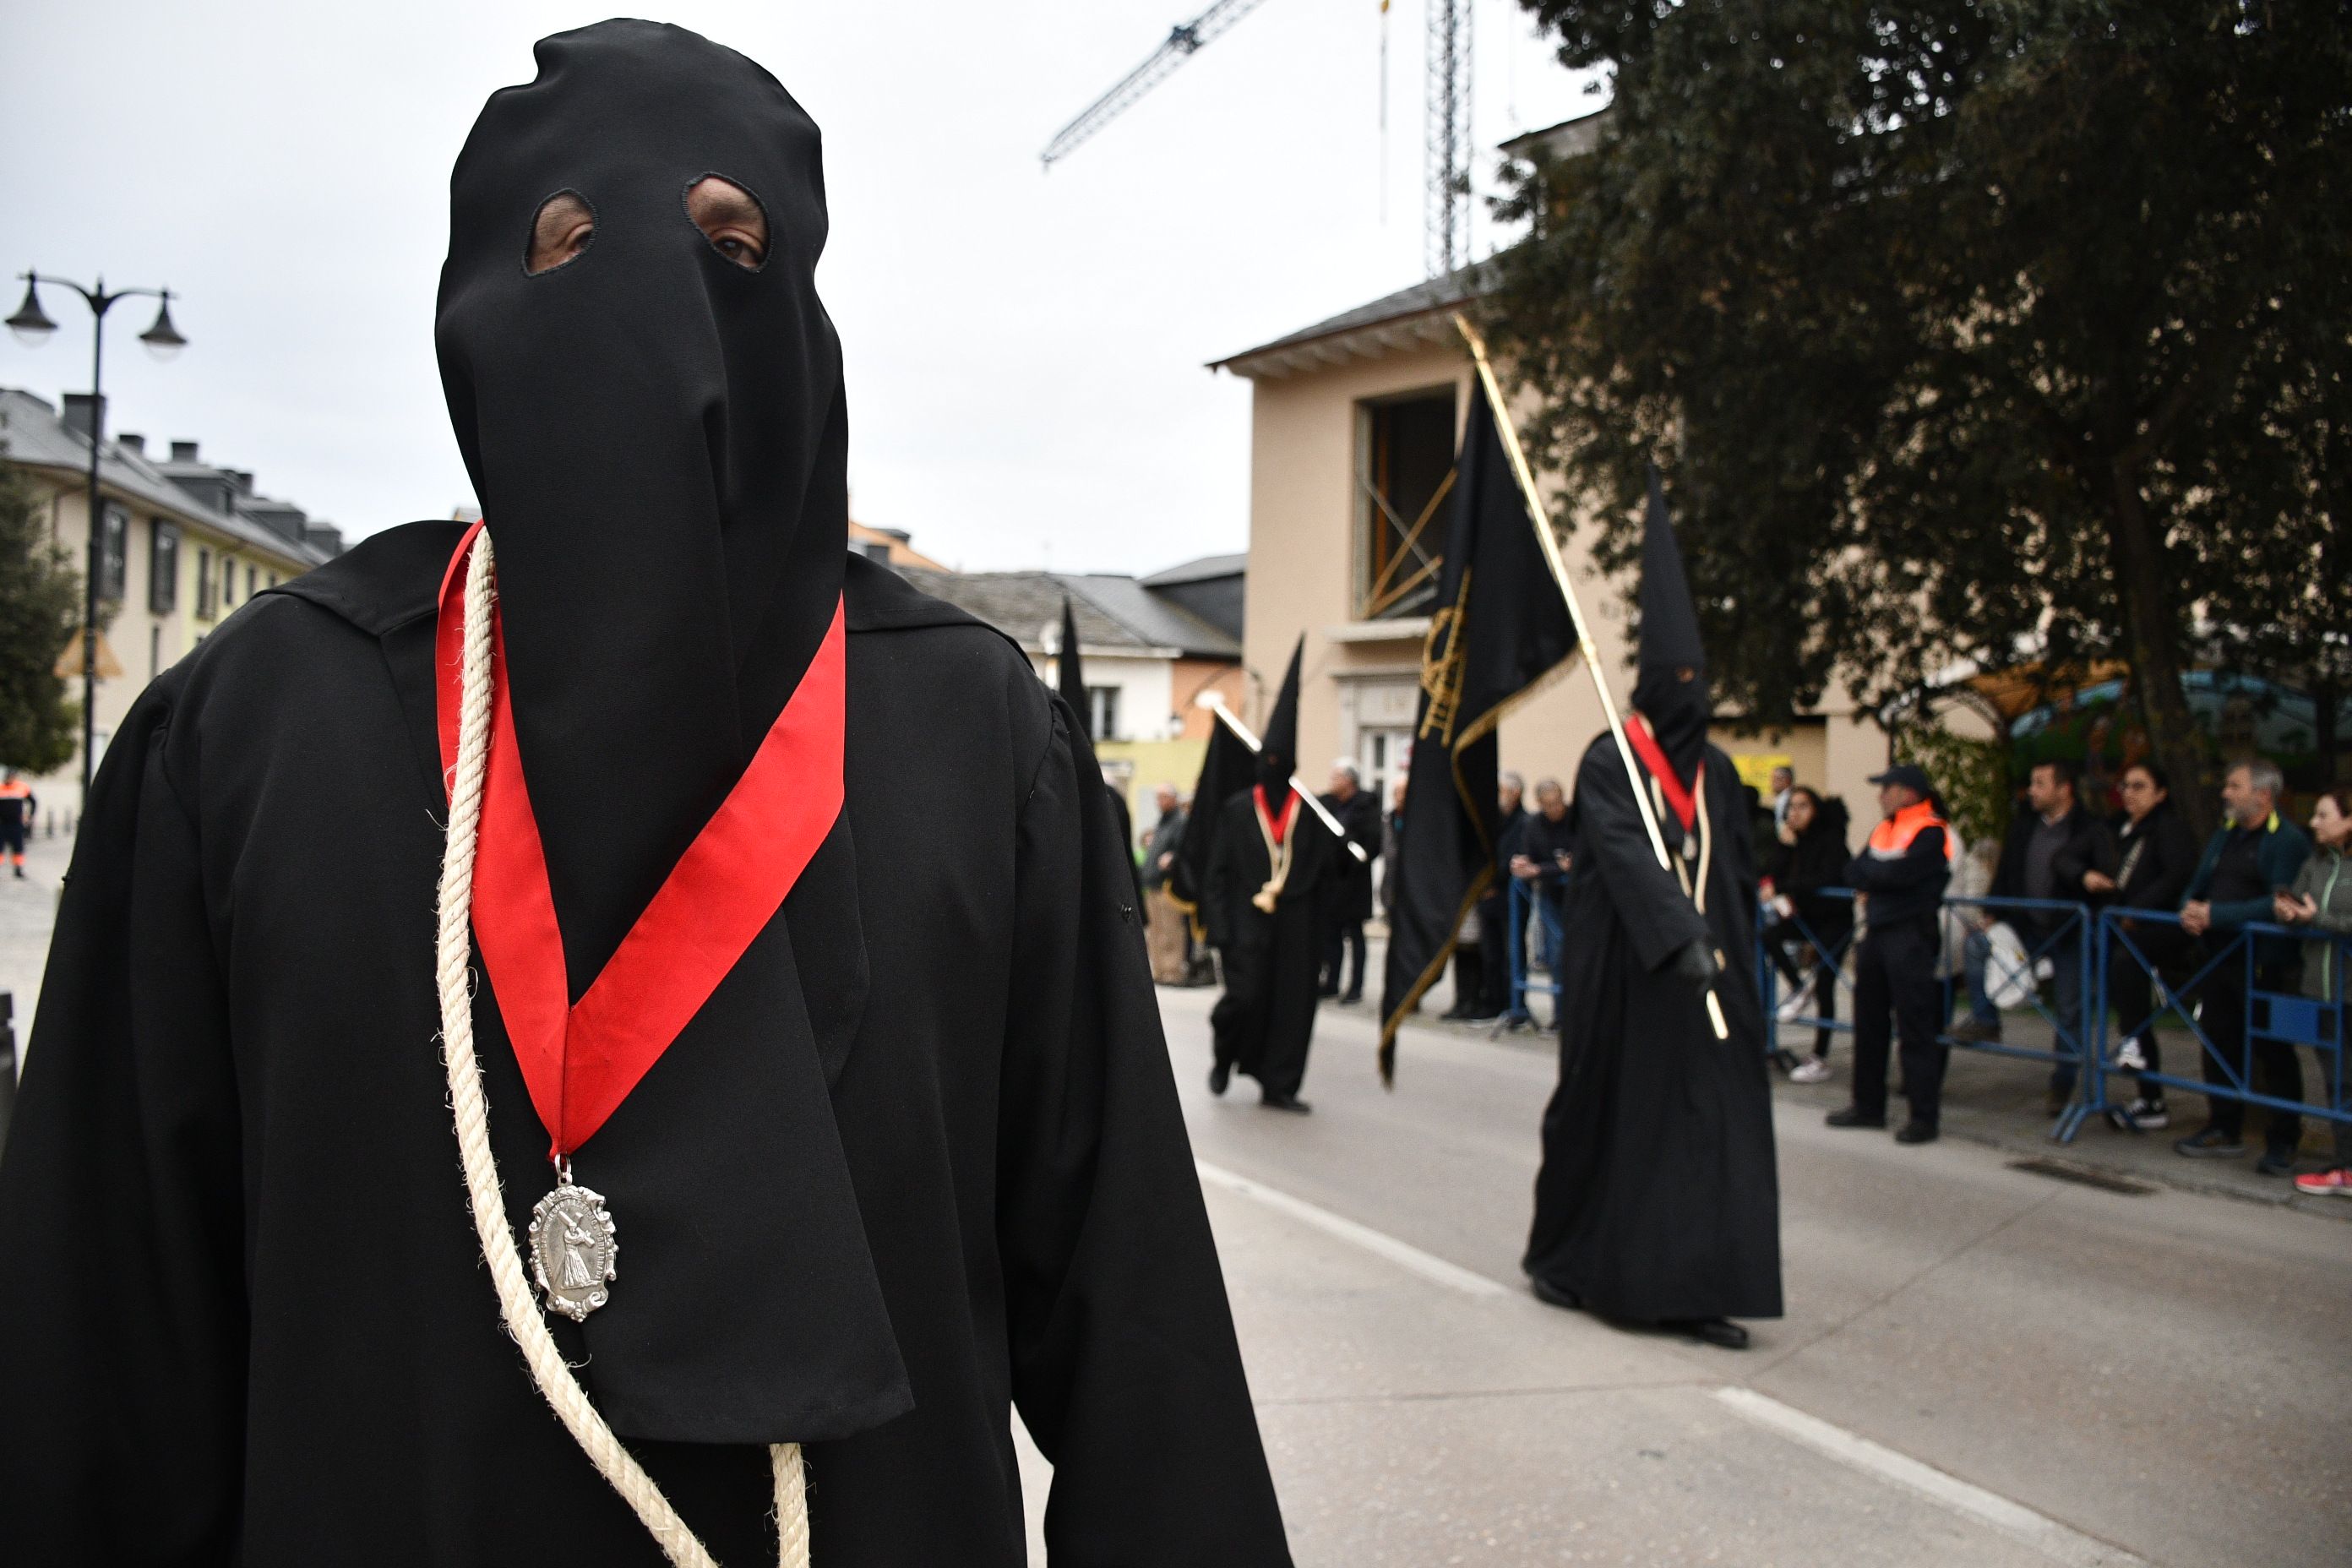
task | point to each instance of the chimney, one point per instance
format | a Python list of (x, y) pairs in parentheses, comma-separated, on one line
[(183, 451), (132, 443), (78, 411), (243, 477)]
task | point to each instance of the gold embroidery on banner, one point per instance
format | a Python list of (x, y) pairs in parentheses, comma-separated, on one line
[(1445, 659)]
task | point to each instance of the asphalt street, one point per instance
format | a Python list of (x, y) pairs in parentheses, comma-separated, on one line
[(1980, 1365)]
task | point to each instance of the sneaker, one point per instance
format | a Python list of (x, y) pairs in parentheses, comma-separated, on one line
[(2142, 1115), (2326, 1184), (1812, 1069), (2210, 1145), (2275, 1162), (2131, 1056), (1976, 1032), (1795, 1003), (1855, 1116)]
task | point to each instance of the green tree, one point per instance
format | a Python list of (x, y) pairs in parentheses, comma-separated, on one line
[(2000, 330), (40, 609)]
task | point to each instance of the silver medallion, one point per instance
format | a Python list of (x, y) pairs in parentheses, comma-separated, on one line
[(574, 1249)]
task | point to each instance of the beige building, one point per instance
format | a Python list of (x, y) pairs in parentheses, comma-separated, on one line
[(1354, 424), (185, 544)]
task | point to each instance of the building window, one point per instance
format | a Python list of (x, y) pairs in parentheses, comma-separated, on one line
[(154, 651), (228, 583), (115, 552), (252, 575), (1404, 470), (1102, 712), (205, 605), (163, 567)]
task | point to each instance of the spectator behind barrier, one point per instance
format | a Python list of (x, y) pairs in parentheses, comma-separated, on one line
[(2155, 853), (2251, 855), (2051, 850), (1540, 859), (1815, 851), (2321, 899)]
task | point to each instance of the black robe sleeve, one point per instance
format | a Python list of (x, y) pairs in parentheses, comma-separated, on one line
[(1124, 1366), (122, 1318), (1659, 917)]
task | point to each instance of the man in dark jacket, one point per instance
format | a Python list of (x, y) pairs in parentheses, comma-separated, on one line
[(1168, 932), (1540, 853), (2252, 855), (2052, 849), (1900, 874), (1348, 890), (1491, 956)]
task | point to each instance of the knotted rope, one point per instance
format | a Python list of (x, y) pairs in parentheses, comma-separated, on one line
[(471, 1112)]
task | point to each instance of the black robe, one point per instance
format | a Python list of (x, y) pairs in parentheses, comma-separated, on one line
[(1658, 1198), (1266, 1019), (243, 1315)]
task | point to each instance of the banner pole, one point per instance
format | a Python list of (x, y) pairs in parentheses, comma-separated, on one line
[(1242, 732), (1509, 433)]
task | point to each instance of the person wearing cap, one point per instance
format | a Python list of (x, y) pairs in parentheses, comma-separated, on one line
[(1899, 880)]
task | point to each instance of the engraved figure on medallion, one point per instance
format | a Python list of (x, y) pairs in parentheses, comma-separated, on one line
[(573, 1250)]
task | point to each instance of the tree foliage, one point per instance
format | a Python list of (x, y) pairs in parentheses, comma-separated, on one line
[(40, 609), (1990, 331)]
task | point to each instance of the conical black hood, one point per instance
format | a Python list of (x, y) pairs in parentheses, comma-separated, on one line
[(1277, 756), (1677, 708), (1070, 676)]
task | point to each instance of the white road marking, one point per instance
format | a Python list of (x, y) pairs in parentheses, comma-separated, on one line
[(1435, 1270), (2055, 1540)]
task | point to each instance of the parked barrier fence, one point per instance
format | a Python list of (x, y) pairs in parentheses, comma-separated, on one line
[(1525, 904), (2255, 972)]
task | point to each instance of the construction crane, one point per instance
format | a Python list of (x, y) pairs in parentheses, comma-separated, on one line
[(1446, 145), (1184, 40)]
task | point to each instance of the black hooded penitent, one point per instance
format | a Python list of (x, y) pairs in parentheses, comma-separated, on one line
[(1676, 707), (1277, 748), (244, 1314)]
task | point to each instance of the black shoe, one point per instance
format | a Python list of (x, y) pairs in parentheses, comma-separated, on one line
[(1290, 1102), (1220, 1076), (2210, 1145), (1352, 998), (1327, 991), (2275, 1162), (1551, 1295), (1713, 1331), (1916, 1132), (2054, 1101), (1855, 1116)]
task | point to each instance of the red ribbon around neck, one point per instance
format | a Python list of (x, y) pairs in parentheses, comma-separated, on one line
[(1279, 826), (1684, 803), (581, 1060)]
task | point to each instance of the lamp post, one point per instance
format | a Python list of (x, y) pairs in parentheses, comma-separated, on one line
[(33, 327)]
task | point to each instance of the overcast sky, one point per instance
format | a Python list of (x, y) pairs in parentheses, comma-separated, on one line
[(1024, 351)]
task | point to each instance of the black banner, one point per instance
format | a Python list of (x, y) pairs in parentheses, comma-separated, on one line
[(1500, 629)]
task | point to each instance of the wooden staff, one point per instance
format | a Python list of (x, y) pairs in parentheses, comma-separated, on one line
[(1298, 784), (1510, 438)]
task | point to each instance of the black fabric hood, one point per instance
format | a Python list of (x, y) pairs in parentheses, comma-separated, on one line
[(1677, 709), (1277, 756), (658, 437)]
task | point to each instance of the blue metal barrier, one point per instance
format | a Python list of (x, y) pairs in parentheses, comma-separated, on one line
[(1521, 899), (2078, 1048), (1822, 958), (2286, 1016)]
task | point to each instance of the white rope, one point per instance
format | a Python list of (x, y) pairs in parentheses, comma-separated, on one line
[(471, 1112)]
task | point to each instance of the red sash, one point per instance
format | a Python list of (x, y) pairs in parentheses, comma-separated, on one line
[(1683, 803), (581, 1060), (1279, 827)]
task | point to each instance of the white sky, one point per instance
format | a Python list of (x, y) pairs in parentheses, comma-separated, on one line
[(1024, 351)]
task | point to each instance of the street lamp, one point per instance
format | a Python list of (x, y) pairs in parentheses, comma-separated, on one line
[(32, 326)]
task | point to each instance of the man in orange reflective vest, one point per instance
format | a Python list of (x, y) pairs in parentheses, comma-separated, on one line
[(17, 804), (1899, 880)]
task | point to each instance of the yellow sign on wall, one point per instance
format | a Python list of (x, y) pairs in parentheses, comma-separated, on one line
[(1756, 768)]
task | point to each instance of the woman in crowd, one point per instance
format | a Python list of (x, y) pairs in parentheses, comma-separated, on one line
[(1813, 857), (2156, 856), (2320, 900)]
